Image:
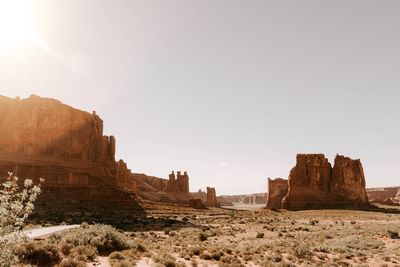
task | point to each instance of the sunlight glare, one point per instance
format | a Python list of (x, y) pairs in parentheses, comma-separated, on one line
[(16, 23)]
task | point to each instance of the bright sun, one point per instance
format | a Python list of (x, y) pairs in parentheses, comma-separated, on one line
[(16, 23)]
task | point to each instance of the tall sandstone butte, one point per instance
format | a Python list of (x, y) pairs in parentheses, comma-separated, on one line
[(277, 190), (178, 184), (41, 137), (211, 198), (314, 184)]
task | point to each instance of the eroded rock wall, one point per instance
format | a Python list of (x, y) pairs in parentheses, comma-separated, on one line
[(211, 197), (43, 138), (314, 184), (45, 127), (277, 190)]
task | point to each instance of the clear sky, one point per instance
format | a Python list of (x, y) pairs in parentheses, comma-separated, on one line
[(228, 90)]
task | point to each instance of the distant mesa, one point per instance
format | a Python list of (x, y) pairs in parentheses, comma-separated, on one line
[(314, 184), (247, 199), (384, 195)]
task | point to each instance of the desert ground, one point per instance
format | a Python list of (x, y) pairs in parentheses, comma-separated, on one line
[(236, 236)]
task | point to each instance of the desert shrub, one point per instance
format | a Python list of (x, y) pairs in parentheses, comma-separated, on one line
[(205, 256), (140, 248), (301, 250), (72, 263), (314, 222), (203, 236), (165, 259), (260, 235), (216, 256), (16, 204), (102, 237), (393, 234), (123, 263), (118, 256), (84, 253), (38, 253), (196, 251)]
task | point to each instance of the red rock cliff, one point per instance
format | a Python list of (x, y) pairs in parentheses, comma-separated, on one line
[(313, 184), (42, 137), (46, 127), (277, 190)]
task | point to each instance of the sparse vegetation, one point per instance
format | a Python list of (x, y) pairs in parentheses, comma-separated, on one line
[(307, 238), (16, 204)]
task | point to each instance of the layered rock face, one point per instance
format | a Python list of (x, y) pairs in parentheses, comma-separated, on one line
[(42, 137), (46, 127), (314, 184), (348, 180), (277, 190), (211, 198)]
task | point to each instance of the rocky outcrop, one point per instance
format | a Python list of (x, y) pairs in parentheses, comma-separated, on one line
[(124, 177), (42, 137), (178, 184), (314, 184), (211, 198), (199, 194), (277, 190), (196, 203)]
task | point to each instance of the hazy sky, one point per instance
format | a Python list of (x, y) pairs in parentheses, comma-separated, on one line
[(228, 90)]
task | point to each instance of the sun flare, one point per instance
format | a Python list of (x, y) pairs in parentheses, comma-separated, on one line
[(16, 23)]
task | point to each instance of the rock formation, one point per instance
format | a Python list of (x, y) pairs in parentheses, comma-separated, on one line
[(277, 190), (42, 137), (46, 127), (348, 180), (178, 184), (124, 177), (211, 198), (196, 203), (313, 184)]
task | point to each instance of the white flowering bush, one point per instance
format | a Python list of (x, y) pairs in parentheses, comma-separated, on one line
[(16, 204)]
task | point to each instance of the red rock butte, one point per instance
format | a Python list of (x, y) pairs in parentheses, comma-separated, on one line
[(41, 137), (314, 184)]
